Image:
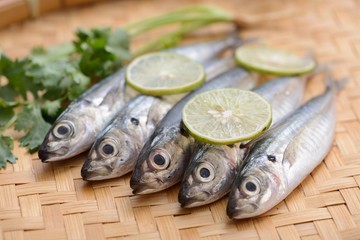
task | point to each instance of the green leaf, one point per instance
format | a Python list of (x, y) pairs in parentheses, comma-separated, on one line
[(96, 64), (15, 72), (57, 53), (51, 108), (79, 83), (6, 114), (7, 92), (6, 146), (31, 121), (5, 103), (59, 78), (119, 45), (102, 51), (48, 75)]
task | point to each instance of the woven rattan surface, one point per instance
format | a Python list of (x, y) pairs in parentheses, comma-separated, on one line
[(51, 201)]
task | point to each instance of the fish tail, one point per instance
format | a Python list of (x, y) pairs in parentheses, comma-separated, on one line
[(338, 85), (334, 85), (331, 83)]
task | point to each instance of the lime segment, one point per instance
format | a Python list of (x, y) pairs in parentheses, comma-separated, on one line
[(272, 61), (164, 73), (226, 116)]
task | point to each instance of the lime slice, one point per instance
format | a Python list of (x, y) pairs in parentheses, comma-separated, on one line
[(226, 116), (273, 61), (164, 73)]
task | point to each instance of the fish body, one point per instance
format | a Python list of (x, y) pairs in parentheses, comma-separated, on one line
[(75, 130), (212, 168), (205, 51), (164, 157), (280, 159)]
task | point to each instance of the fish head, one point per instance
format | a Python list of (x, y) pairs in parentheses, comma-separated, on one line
[(254, 190), (209, 175), (162, 161), (112, 155), (69, 136)]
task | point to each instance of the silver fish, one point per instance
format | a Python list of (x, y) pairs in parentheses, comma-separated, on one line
[(76, 128), (116, 149), (213, 168), (283, 157), (165, 155)]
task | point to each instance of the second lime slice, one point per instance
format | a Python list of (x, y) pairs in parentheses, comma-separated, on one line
[(273, 61), (226, 116), (164, 73)]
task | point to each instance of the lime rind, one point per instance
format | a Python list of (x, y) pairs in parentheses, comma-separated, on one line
[(267, 60), (164, 73), (196, 118)]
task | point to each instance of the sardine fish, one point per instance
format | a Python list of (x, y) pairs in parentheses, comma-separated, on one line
[(283, 157)]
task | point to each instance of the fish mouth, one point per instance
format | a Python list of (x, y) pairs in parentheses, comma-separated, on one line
[(48, 156), (145, 187), (94, 174), (234, 211), (197, 200)]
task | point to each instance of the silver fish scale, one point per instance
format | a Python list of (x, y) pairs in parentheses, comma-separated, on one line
[(284, 94), (205, 51), (96, 95), (141, 109)]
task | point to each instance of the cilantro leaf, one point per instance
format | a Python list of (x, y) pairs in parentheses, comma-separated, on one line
[(6, 114), (102, 50), (31, 121), (118, 44), (51, 108), (7, 92), (59, 78), (15, 72), (80, 83), (57, 53), (6, 146)]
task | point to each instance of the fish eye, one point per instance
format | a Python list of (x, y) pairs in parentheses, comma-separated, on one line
[(64, 129), (159, 159), (135, 121), (250, 186), (108, 148), (205, 172)]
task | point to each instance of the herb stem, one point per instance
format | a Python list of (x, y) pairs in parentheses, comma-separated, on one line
[(187, 14), (7, 125), (169, 39)]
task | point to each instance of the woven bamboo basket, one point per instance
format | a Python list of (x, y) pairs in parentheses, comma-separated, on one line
[(51, 201)]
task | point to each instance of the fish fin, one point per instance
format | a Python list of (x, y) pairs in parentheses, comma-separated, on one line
[(332, 84), (313, 135), (156, 113), (111, 97)]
